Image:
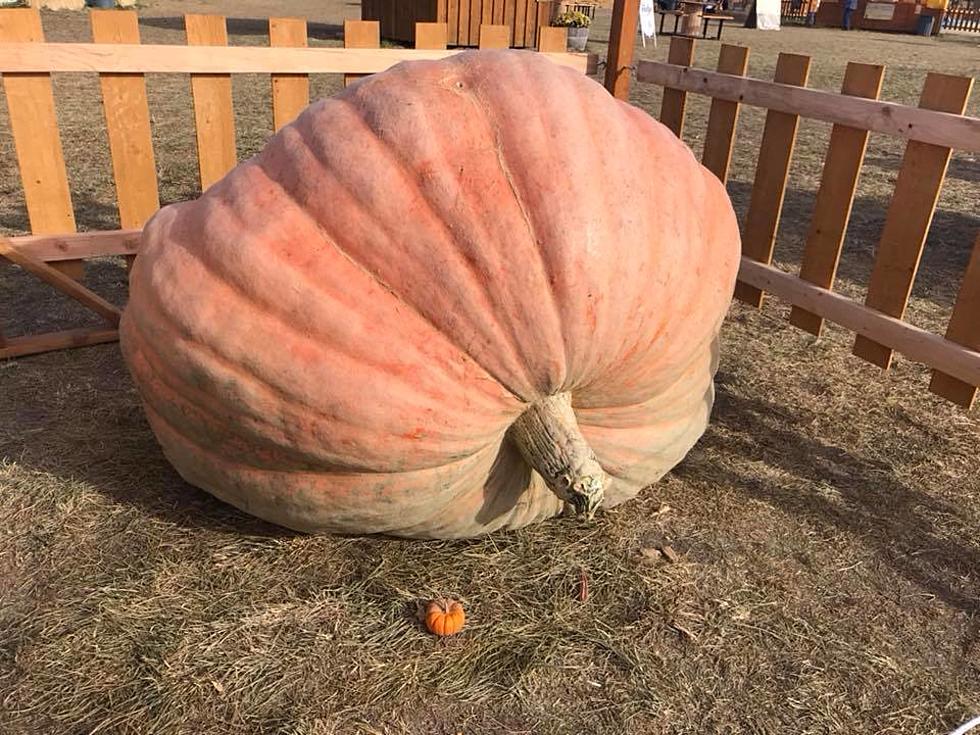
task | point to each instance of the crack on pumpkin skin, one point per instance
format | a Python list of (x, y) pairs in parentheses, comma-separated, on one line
[(480, 104), (437, 217)]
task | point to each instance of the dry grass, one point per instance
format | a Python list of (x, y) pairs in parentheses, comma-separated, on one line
[(829, 578)]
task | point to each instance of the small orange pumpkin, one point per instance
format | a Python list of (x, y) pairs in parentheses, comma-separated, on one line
[(444, 617)]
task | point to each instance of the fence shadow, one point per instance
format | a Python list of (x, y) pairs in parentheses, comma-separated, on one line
[(864, 498), (86, 425), (248, 27), (944, 259), (960, 165)]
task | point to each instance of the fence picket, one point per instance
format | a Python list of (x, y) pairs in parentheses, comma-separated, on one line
[(723, 115), (127, 116), (674, 101), (30, 105), (964, 329), (494, 36), (431, 35), (910, 214), (838, 182), (769, 187), (360, 34), (290, 92), (552, 40), (214, 114)]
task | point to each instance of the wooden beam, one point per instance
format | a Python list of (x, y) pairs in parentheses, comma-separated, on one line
[(838, 183), (909, 217), (60, 281), (913, 123), (78, 245), (34, 344), (622, 39), (674, 102), (915, 343), (34, 124), (723, 116), (172, 59), (290, 92), (964, 329), (772, 171)]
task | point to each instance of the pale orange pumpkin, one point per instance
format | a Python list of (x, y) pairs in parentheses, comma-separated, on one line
[(444, 617), (460, 296)]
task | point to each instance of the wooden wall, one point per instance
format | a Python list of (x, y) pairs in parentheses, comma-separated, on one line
[(464, 18)]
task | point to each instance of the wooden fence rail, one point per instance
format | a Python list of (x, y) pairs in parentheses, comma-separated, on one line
[(54, 252), (932, 131)]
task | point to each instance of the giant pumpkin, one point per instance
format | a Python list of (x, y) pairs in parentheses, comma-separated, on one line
[(460, 296)]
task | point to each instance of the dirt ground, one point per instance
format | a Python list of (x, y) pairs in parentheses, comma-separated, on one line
[(828, 578)]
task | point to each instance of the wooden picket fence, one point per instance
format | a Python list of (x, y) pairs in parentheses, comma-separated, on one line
[(54, 252), (464, 18), (932, 130), (962, 16)]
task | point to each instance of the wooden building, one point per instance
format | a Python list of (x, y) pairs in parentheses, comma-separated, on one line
[(463, 18)]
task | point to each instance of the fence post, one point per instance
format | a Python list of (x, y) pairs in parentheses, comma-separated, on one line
[(622, 38)]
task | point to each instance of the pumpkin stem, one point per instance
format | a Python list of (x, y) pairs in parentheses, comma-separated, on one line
[(551, 442)]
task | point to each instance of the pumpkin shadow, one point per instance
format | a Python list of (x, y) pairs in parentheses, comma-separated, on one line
[(508, 479), (76, 415), (858, 496)]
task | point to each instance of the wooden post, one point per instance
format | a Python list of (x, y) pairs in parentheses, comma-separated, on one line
[(622, 38)]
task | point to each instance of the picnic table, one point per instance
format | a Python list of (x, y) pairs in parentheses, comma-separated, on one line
[(692, 19)]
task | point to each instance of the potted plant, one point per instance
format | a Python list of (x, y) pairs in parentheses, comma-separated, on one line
[(577, 24)]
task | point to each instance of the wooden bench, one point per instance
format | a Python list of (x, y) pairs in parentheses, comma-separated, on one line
[(720, 19), (705, 19)]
